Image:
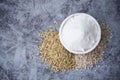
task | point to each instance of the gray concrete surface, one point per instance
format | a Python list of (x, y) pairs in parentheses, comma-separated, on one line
[(22, 20)]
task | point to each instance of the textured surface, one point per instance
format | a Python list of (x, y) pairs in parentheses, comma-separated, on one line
[(22, 20)]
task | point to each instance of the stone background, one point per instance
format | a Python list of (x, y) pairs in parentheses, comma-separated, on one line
[(22, 20)]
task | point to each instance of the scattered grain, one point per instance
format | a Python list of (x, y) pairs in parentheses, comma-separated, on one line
[(61, 60)]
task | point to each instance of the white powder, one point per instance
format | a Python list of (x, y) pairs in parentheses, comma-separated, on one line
[(80, 33)]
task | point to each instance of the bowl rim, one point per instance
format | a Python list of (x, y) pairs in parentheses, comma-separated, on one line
[(77, 52)]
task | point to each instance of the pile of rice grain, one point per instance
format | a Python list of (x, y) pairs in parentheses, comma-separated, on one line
[(54, 53), (61, 60)]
